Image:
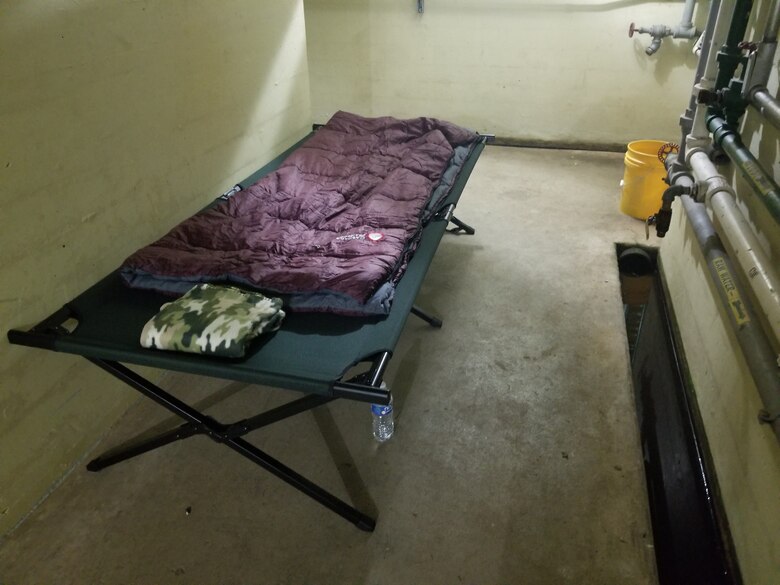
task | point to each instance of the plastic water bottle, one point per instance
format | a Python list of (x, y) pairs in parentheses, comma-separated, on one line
[(382, 420)]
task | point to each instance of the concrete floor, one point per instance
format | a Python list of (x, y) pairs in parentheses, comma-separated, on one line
[(516, 457)]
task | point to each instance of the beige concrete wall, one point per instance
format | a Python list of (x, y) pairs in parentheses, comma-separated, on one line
[(746, 455), (118, 118), (547, 71)]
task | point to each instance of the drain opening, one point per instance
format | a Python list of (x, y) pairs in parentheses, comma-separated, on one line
[(637, 266)]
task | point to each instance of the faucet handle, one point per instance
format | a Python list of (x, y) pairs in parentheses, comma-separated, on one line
[(648, 222)]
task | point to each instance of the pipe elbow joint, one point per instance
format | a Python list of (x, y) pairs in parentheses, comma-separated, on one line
[(675, 191), (685, 32), (654, 46), (663, 219)]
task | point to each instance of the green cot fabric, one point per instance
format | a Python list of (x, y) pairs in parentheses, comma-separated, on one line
[(213, 320)]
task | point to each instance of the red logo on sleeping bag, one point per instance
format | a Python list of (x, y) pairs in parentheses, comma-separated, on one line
[(376, 236)]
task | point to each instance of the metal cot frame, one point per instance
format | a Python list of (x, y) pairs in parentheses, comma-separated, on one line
[(311, 353)]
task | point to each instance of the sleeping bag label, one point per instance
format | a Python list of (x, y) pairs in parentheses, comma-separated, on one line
[(370, 236)]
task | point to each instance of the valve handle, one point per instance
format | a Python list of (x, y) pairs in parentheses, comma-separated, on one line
[(631, 30), (666, 150)]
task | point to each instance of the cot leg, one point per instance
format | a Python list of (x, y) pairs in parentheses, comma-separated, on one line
[(461, 227), (430, 319), (123, 454), (302, 484)]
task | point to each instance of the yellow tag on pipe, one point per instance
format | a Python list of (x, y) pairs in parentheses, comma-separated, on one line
[(735, 301)]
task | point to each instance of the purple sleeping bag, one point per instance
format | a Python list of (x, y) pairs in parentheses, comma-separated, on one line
[(336, 219)]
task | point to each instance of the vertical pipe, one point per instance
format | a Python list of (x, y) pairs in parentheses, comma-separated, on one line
[(762, 61), (722, 26), (699, 136), (729, 58), (686, 120), (761, 68), (766, 105), (755, 346), (773, 24), (686, 21), (706, 47), (739, 23)]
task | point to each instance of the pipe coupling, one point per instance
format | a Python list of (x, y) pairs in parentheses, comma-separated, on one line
[(694, 145), (721, 131), (717, 184)]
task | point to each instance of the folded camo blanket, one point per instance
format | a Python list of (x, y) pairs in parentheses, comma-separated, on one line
[(213, 320)]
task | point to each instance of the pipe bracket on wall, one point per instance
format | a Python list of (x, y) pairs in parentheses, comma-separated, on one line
[(767, 418)]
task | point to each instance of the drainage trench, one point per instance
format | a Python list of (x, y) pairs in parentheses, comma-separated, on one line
[(692, 543)]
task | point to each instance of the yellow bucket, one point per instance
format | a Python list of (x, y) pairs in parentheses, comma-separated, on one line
[(643, 180)]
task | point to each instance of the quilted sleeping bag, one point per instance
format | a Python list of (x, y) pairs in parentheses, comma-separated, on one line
[(337, 218)]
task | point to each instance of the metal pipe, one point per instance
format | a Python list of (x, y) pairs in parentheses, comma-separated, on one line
[(721, 196), (686, 22), (686, 120), (706, 41), (739, 23), (730, 102), (759, 180), (756, 348), (699, 136), (759, 68), (761, 61), (753, 261), (722, 27), (773, 24), (766, 105), (726, 26)]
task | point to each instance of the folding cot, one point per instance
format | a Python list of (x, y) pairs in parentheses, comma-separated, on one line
[(310, 354)]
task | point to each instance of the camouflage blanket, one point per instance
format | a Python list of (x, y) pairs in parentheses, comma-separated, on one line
[(213, 320)]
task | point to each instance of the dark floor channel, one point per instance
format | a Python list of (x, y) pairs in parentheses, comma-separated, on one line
[(692, 543)]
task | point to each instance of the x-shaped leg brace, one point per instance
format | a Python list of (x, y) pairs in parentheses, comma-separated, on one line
[(230, 435)]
